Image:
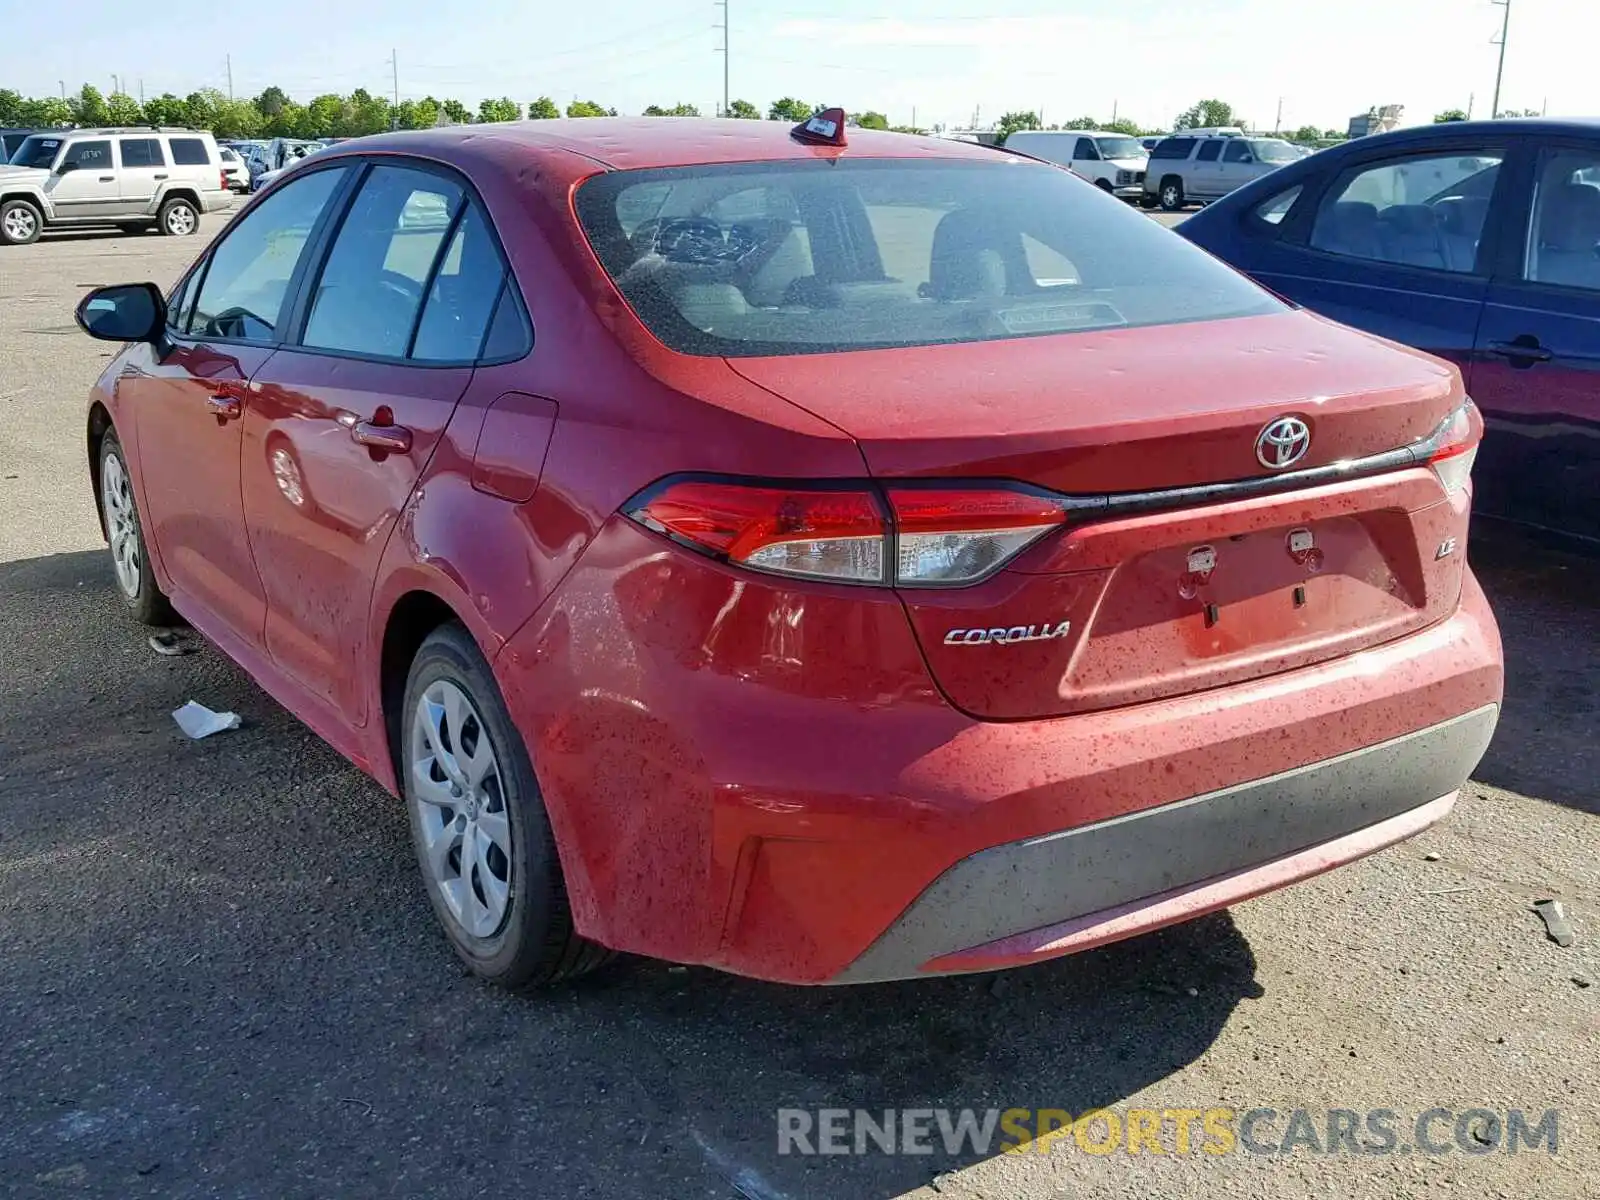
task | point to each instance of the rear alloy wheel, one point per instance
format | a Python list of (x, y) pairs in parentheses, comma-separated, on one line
[(478, 822), (179, 218), (20, 223), (130, 560), (1171, 195)]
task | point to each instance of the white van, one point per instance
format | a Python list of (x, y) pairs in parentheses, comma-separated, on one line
[(1113, 162)]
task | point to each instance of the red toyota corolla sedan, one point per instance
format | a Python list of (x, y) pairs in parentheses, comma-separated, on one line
[(825, 560)]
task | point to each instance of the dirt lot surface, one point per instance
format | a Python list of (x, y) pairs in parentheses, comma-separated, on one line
[(219, 976)]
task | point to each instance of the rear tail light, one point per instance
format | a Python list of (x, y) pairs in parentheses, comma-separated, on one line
[(916, 537), (1453, 447), (958, 535)]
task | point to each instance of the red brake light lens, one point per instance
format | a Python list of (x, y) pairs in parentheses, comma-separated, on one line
[(942, 536), (822, 534)]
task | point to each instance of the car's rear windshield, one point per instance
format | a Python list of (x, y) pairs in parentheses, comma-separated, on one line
[(815, 256), (36, 151)]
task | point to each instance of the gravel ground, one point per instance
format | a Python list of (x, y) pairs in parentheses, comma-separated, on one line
[(219, 976)]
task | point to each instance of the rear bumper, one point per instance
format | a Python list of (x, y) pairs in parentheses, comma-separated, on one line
[(760, 776), (1042, 897)]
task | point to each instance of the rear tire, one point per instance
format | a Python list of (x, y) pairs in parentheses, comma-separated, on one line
[(478, 823), (20, 223), (1171, 195), (130, 554), (179, 218)]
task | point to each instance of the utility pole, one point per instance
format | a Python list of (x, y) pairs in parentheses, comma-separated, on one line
[(1505, 26), (727, 100), (1471, 96), (141, 93), (1278, 125), (394, 113), (230, 77)]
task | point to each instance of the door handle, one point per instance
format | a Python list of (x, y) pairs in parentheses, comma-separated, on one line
[(160, 176), (1521, 351), (395, 438), (224, 407), (108, 179)]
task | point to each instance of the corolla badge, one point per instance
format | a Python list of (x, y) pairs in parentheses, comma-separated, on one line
[(1283, 443), (1007, 637)]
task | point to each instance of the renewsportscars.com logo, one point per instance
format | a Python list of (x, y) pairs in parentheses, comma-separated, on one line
[(1168, 1131)]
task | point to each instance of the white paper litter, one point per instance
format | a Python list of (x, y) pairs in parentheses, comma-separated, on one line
[(198, 721)]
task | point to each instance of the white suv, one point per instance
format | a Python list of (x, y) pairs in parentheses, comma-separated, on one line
[(132, 177), (1113, 162)]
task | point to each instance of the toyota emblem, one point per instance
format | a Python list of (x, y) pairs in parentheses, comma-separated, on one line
[(1283, 443)]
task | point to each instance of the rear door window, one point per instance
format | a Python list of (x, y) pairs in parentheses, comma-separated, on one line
[(371, 289), (463, 295), (140, 152), (1209, 151), (1418, 211)]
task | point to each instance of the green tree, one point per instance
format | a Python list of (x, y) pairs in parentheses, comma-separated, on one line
[(1448, 115), (288, 121), (456, 112), (11, 107), (1335, 135), (237, 119), (123, 109), (271, 102), (199, 110), (1014, 121), (1206, 114), (789, 109), (677, 110), (418, 114), (1306, 133), (588, 108), (323, 116), (503, 109), (89, 107), (165, 109), (45, 112), (1081, 123), (743, 110), (543, 109), (872, 120), (906, 129), (366, 114), (1123, 125)]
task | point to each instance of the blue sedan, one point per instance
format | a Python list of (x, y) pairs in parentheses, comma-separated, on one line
[(1478, 242)]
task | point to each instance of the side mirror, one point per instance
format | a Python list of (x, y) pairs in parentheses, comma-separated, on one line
[(123, 312), (66, 167)]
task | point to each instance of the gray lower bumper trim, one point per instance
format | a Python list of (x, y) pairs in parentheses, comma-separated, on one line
[(1021, 886)]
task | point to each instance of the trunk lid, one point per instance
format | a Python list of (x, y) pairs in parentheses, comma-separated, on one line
[(1185, 597)]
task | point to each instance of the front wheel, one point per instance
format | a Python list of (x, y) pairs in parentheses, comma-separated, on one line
[(130, 557), (179, 218), (482, 836), (20, 223)]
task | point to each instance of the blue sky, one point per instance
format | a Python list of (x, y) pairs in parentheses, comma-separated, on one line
[(1149, 58)]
